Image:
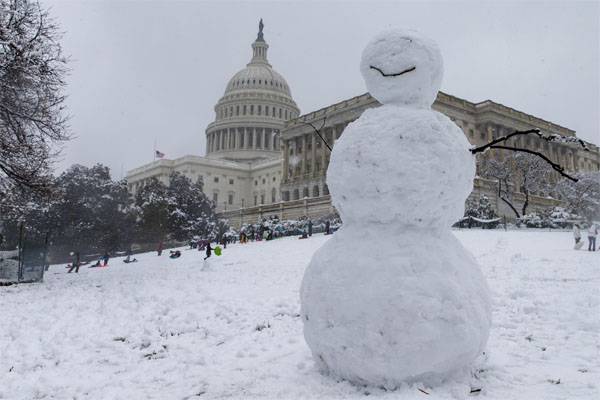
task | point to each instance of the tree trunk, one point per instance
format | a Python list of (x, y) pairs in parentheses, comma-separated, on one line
[(524, 209), (508, 203)]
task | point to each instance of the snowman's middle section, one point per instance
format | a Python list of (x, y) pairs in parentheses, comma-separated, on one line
[(401, 165)]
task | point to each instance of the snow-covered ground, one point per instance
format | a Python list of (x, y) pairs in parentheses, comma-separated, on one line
[(169, 329)]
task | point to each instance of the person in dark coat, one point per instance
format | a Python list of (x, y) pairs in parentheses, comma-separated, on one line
[(327, 227), (310, 226), (159, 249), (208, 250), (76, 263), (105, 258)]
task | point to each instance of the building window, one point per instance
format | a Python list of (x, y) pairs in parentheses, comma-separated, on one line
[(244, 110), (296, 194), (262, 199), (267, 111), (230, 199), (255, 199), (216, 179), (280, 113), (316, 191), (274, 179), (286, 114), (305, 192), (243, 202), (231, 181), (255, 183), (264, 181), (259, 110), (273, 194), (273, 114), (252, 110), (237, 110), (325, 190), (215, 198)]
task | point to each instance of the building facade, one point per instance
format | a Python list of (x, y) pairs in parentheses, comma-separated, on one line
[(304, 189), (263, 158), (242, 165)]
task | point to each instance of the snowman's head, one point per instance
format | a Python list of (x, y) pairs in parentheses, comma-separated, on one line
[(402, 67)]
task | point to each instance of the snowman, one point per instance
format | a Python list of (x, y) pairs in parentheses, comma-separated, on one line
[(394, 297)]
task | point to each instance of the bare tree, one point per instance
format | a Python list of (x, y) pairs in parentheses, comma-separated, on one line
[(32, 79)]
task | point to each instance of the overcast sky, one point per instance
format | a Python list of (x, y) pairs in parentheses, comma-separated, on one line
[(148, 70)]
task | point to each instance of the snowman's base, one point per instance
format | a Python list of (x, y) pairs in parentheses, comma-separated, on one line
[(416, 310)]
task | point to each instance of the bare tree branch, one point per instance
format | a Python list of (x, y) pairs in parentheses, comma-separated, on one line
[(318, 131), (553, 138)]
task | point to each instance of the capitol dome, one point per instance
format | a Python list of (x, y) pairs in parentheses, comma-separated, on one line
[(254, 108)]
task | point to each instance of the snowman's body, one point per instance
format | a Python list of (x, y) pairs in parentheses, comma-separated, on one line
[(393, 296)]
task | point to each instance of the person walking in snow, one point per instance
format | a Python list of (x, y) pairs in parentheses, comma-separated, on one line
[(576, 235), (592, 233), (208, 250), (310, 227), (75, 263), (105, 258), (159, 249)]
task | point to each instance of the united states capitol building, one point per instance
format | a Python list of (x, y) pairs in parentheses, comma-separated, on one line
[(263, 158)]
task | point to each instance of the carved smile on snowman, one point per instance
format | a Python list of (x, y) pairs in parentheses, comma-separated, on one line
[(394, 74)]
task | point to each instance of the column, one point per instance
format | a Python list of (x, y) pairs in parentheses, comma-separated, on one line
[(333, 133), (313, 153), (266, 141), (304, 153), (254, 136), (248, 145), (324, 151), (286, 161)]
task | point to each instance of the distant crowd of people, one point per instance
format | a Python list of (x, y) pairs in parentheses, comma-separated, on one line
[(249, 234)]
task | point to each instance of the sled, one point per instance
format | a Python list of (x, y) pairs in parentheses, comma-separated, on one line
[(218, 250)]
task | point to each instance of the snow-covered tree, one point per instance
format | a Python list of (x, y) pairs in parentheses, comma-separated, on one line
[(93, 210), (480, 208), (582, 197), (522, 172), (87, 211), (152, 203), (191, 213), (32, 80), (178, 211)]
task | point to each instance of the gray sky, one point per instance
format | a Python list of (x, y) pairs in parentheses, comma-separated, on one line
[(148, 70)]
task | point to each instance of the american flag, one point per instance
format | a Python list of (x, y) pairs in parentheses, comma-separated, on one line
[(158, 154)]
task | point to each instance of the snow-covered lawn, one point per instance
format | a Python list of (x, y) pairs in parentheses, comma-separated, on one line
[(167, 329)]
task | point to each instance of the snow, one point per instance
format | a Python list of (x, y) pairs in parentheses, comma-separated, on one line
[(167, 329), (380, 307)]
